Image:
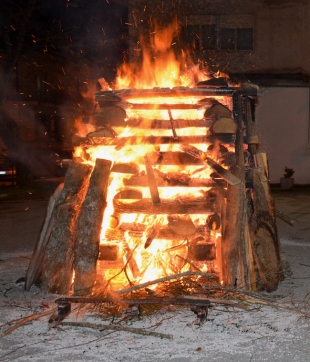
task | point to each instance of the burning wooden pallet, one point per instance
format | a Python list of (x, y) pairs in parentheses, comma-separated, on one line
[(171, 181)]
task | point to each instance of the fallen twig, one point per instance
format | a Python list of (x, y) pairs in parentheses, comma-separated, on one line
[(27, 319), (162, 280), (215, 301), (285, 218), (114, 327)]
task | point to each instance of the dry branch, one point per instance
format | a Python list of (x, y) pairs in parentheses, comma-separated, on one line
[(27, 319), (162, 280), (120, 328)]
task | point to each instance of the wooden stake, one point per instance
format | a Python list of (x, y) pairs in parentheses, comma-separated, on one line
[(38, 254), (264, 236), (152, 181)]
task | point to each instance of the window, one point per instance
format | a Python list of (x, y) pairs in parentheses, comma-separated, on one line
[(227, 39), (208, 36), (191, 36), (245, 39), (219, 32)]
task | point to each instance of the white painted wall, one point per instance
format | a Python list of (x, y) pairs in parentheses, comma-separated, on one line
[(282, 117)]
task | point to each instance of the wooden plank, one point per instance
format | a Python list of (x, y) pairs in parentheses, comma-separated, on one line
[(38, 254), (262, 162), (151, 181), (165, 124), (145, 206), (227, 175), (142, 181), (264, 236), (56, 276), (89, 228), (163, 106), (176, 92), (120, 142)]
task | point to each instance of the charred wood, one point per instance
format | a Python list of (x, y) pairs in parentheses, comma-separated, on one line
[(175, 92), (113, 115)]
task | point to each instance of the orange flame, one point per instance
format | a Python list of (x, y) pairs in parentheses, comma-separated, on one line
[(165, 253), (159, 66)]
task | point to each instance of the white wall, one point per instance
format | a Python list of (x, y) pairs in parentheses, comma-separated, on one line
[(282, 117)]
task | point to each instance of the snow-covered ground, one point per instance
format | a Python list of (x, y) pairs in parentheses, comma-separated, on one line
[(259, 333)]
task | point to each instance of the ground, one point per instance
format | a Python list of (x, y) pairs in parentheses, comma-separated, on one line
[(276, 331)]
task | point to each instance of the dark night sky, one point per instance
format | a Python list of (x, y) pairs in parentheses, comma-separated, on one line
[(95, 28), (91, 31)]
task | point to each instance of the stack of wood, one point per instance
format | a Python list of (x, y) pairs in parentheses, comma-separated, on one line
[(237, 199)]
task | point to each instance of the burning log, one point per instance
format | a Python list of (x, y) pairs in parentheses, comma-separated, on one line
[(181, 225), (131, 261), (152, 181), (112, 115), (89, 227), (224, 125), (120, 142), (228, 176), (151, 235), (56, 268), (166, 124), (202, 252), (141, 180), (167, 206), (217, 110), (189, 223), (125, 168)]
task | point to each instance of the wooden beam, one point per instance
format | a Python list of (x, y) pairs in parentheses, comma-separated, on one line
[(167, 206)]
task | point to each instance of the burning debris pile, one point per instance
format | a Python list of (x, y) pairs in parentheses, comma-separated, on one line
[(181, 190), (171, 181)]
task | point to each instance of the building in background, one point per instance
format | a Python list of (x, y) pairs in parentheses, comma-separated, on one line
[(262, 41)]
